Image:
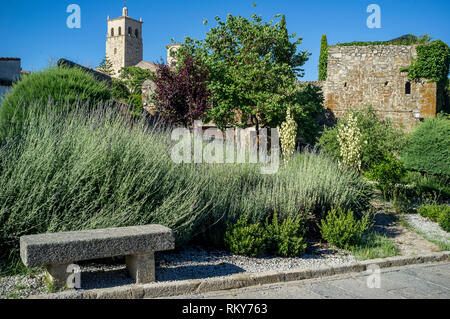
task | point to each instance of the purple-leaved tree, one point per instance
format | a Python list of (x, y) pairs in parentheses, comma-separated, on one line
[(181, 95)]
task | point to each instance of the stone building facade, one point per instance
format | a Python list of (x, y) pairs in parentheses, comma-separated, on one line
[(124, 45), (361, 75)]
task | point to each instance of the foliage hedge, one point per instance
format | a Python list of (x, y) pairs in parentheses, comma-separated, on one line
[(56, 87), (433, 212), (276, 238), (428, 147), (245, 239), (285, 238), (341, 229), (439, 214), (444, 220), (407, 39)]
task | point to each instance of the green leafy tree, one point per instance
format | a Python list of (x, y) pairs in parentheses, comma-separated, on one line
[(135, 77), (106, 67), (120, 91), (323, 59), (253, 70), (309, 98)]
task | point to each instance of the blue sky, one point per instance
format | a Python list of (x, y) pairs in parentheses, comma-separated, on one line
[(36, 31)]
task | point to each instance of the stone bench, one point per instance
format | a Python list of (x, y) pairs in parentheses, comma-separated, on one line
[(59, 250)]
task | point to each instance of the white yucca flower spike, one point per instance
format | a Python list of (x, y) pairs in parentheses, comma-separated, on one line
[(350, 142), (288, 135)]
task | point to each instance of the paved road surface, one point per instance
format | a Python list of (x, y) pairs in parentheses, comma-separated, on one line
[(408, 282)]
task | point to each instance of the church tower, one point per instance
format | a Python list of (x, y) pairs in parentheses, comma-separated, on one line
[(124, 45)]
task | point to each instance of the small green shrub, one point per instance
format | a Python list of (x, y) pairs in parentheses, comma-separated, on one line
[(433, 212), (387, 173), (275, 238), (444, 219), (341, 229), (428, 147), (245, 239), (285, 239), (436, 213)]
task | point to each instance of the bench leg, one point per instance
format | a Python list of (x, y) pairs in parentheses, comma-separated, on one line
[(58, 275), (142, 267)]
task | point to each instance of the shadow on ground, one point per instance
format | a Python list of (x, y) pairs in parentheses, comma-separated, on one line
[(386, 225), (97, 279), (196, 262), (197, 272)]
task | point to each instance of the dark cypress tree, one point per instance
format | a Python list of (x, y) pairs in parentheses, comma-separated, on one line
[(323, 60)]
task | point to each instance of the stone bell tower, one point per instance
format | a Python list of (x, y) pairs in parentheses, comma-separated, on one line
[(124, 45)]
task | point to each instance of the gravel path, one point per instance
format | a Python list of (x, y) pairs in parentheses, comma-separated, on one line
[(22, 286), (193, 262), (429, 228), (409, 242), (197, 263)]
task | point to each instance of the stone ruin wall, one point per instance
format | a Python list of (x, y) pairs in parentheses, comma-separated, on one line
[(361, 75)]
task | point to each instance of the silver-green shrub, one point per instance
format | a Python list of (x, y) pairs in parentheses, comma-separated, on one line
[(88, 170)]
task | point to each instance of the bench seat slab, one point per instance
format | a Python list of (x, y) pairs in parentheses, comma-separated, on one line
[(67, 247)]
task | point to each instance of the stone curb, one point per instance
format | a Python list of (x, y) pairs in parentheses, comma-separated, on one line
[(186, 287)]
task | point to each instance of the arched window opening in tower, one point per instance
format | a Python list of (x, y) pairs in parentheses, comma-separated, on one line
[(136, 33), (112, 32), (120, 30), (130, 31)]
